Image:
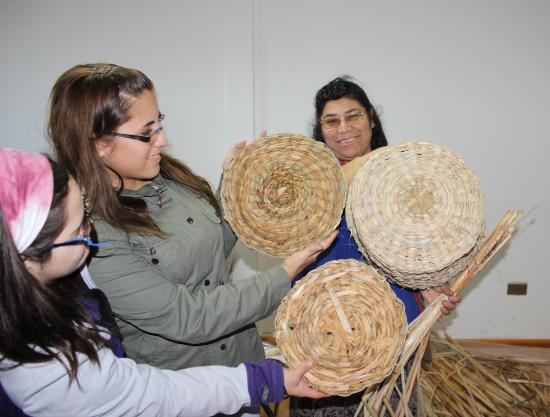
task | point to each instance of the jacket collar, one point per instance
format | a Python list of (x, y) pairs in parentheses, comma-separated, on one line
[(152, 192), (151, 189)]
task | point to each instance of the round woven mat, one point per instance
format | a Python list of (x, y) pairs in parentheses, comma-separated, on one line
[(416, 212), (283, 193), (345, 318)]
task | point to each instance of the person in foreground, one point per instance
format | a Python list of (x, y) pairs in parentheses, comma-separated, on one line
[(164, 272), (347, 122), (55, 357)]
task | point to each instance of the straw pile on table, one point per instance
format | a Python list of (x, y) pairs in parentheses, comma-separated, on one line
[(283, 193), (346, 319), (416, 212), (456, 384)]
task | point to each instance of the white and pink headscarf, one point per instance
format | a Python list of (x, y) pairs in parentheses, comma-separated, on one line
[(26, 192)]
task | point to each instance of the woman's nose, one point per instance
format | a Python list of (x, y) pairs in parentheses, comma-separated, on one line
[(343, 126), (160, 140)]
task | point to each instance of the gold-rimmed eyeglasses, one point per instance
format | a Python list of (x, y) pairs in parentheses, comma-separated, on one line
[(334, 122)]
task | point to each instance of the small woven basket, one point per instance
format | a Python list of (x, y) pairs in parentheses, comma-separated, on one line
[(416, 212), (283, 193), (345, 318)]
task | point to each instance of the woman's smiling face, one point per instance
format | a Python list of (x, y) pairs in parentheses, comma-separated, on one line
[(135, 161), (348, 140)]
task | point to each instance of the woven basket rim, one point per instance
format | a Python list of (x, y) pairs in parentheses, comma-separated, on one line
[(345, 318), (313, 191), (416, 211)]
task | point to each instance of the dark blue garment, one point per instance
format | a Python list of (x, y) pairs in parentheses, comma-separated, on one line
[(98, 306), (265, 381), (96, 303), (7, 407), (344, 247)]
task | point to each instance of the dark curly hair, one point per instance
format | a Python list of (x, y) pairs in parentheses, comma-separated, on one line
[(344, 87)]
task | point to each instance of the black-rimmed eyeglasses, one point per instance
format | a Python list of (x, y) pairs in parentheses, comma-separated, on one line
[(143, 138)]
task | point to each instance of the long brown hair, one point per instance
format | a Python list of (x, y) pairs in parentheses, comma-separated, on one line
[(33, 315), (92, 101)]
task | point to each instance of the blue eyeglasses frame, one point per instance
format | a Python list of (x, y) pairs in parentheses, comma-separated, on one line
[(87, 240)]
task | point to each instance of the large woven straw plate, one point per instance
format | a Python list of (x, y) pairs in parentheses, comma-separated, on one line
[(345, 318), (283, 193), (416, 212)]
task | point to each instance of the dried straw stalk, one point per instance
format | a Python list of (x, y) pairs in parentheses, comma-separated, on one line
[(456, 384), (377, 396)]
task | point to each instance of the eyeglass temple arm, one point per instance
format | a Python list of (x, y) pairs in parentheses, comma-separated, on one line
[(86, 240)]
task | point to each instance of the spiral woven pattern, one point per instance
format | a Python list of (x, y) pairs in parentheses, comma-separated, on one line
[(416, 212), (346, 319), (283, 193)]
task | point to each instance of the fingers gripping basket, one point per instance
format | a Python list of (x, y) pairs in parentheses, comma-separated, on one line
[(283, 193), (416, 211), (346, 319)]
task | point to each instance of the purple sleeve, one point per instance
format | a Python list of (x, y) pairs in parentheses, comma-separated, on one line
[(265, 381)]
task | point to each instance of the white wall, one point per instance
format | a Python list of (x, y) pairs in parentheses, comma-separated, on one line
[(185, 47), (473, 76)]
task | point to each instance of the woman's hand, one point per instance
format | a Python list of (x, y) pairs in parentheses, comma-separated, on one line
[(449, 304), (232, 153), (236, 149), (296, 262), (295, 385)]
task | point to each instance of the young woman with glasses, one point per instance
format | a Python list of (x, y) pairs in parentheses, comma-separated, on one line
[(347, 122), (164, 270), (56, 357)]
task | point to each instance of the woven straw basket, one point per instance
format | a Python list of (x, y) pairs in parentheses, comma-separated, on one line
[(346, 319), (283, 193), (416, 211)]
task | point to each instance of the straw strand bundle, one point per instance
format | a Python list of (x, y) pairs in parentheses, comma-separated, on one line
[(283, 193), (419, 330), (415, 211), (456, 384), (346, 319)]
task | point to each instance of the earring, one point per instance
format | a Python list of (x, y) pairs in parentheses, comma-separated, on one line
[(87, 207)]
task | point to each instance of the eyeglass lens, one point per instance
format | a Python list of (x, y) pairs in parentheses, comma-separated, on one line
[(144, 138), (333, 122)]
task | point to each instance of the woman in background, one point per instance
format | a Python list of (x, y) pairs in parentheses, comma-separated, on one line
[(347, 122), (55, 359)]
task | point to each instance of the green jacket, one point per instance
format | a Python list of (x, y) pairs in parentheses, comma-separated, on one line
[(183, 311)]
